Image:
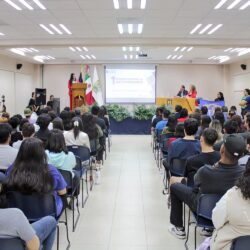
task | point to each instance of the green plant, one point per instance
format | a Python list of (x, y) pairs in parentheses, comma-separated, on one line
[(141, 112), (117, 112)]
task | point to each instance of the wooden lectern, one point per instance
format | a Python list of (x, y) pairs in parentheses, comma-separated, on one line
[(78, 94)]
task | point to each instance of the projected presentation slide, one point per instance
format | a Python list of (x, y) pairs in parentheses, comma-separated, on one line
[(130, 85)]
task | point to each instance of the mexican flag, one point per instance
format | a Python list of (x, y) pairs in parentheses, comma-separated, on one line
[(97, 89), (89, 98)]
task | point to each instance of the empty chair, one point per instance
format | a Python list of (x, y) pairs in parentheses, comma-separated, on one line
[(11, 244), (241, 243)]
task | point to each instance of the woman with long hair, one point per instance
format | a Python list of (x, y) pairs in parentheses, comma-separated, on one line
[(31, 173), (216, 124), (192, 91), (220, 97), (43, 122), (72, 80), (76, 136)]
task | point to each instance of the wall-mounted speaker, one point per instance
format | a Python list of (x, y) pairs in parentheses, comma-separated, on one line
[(19, 66), (243, 66)]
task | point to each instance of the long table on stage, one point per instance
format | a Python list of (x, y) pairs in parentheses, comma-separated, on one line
[(188, 103)]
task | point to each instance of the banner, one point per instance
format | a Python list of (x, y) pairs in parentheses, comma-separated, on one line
[(97, 89), (211, 105)]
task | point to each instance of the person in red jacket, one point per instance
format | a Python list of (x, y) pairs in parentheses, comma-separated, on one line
[(70, 82), (192, 92)]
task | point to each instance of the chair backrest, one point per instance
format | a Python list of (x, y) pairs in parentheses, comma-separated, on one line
[(178, 167), (80, 151), (67, 175), (11, 244), (241, 243), (34, 206)]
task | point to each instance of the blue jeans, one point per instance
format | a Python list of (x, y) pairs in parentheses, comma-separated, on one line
[(45, 231)]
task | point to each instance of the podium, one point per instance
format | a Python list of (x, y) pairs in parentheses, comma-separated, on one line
[(188, 103), (78, 91)]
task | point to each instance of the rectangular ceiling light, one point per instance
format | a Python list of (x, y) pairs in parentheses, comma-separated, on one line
[(83, 57), (244, 6), (38, 58), (227, 50), (189, 49), (47, 29), (179, 57), (137, 48), (125, 57), (233, 4), (124, 48), (195, 28), (212, 57), (143, 4), (214, 29), (130, 28), (13, 4), (56, 29), (130, 4), (17, 51), (131, 56), (93, 56), (224, 59), (116, 4), (120, 28), (26, 4), (85, 49), (205, 29), (65, 29), (35, 50), (140, 28), (169, 56), (39, 4), (88, 56), (244, 52), (73, 49), (51, 57), (79, 49), (131, 48), (183, 49), (174, 57), (2, 34), (177, 48), (220, 4)]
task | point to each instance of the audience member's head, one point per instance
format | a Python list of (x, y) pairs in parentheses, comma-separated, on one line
[(247, 123), (246, 92), (22, 122), (102, 112), (78, 112), (233, 108), (191, 126), (95, 110), (45, 110), (224, 109), (179, 131), (217, 109), (196, 116), (28, 130), (77, 126), (14, 122), (67, 109), (204, 110), (231, 127), (220, 117), (172, 122), (19, 116), (159, 111), (215, 124), (66, 117), (43, 121), (89, 125), (238, 119), (58, 123), (205, 121), (56, 142), (27, 112), (5, 132), (184, 113), (52, 115), (208, 137), (178, 108), (166, 113), (6, 115)]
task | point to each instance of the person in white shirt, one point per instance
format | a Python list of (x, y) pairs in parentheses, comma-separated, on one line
[(76, 136)]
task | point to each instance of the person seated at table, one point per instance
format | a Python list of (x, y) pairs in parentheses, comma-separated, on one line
[(216, 179), (182, 92), (192, 92)]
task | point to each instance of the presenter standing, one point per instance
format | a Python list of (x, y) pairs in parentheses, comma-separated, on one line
[(70, 82), (192, 92), (183, 92)]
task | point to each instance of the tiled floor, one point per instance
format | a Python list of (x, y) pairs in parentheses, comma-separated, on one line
[(127, 211)]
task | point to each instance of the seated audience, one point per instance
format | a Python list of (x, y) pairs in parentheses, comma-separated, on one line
[(179, 133), (218, 115), (204, 110), (178, 109), (31, 173), (243, 160), (240, 123), (215, 179), (163, 123), (158, 118), (104, 115), (15, 134), (183, 115), (205, 122), (66, 117), (215, 124), (58, 124), (99, 121), (7, 153), (43, 122), (76, 136), (28, 130)]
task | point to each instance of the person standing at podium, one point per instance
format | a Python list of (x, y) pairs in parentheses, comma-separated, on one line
[(183, 92), (70, 82)]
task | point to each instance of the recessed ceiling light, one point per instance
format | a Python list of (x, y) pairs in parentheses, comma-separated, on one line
[(38, 58), (169, 56), (212, 57), (205, 29), (65, 29), (116, 4), (174, 57), (25, 50), (26, 4), (137, 48), (93, 56), (130, 28), (214, 29), (56, 29), (71, 48), (35, 50), (51, 57), (183, 49), (220, 4), (136, 56), (143, 4), (244, 6), (83, 57), (130, 48), (120, 28), (227, 50), (88, 56), (13, 4), (79, 49), (179, 57), (85, 49), (140, 28), (130, 4), (2, 34), (244, 52), (17, 51), (124, 48), (177, 48), (131, 56), (189, 49), (47, 29), (224, 58), (195, 28), (233, 4), (125, 56), (39, 4)]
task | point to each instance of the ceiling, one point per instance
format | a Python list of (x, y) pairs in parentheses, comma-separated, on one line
[(93, 24)]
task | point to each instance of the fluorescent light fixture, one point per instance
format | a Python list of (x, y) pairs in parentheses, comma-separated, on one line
[(195, 28), (38, 58), (120, 28), (130, 48), (83, 57), (56, 29), (65, 29), (51, 57), (35, 50), (237, 50), (140, 28), (124, 48), (47, 29), (2, 34), (244, 52), (130, 4), (183, 49), (39, 4), (177, 48), (137, 48), (174, 57), (212, 57), (88, 56), (178, 58), (136, 57), (143, 4), (93, 56), (73, 49), (169, 56), (189, 49), (26, 4), (17, 51), (233, 4), (125, 56), (116, 4), (25, 49), (220, 4), (205, 29), (244, 6), (130, 28), (13, 4), (228, 50), (85, 49), (79, 49), (214, 29), (131, 56), (224, 59)]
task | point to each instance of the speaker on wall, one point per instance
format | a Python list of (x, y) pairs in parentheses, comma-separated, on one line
[(243, 66), (40, 95), (19, 66)]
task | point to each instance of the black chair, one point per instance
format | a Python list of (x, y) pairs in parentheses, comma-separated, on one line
[(83, 163), (203, 215), (72, 194), (11, 244), (241, 243), (36, 206)]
